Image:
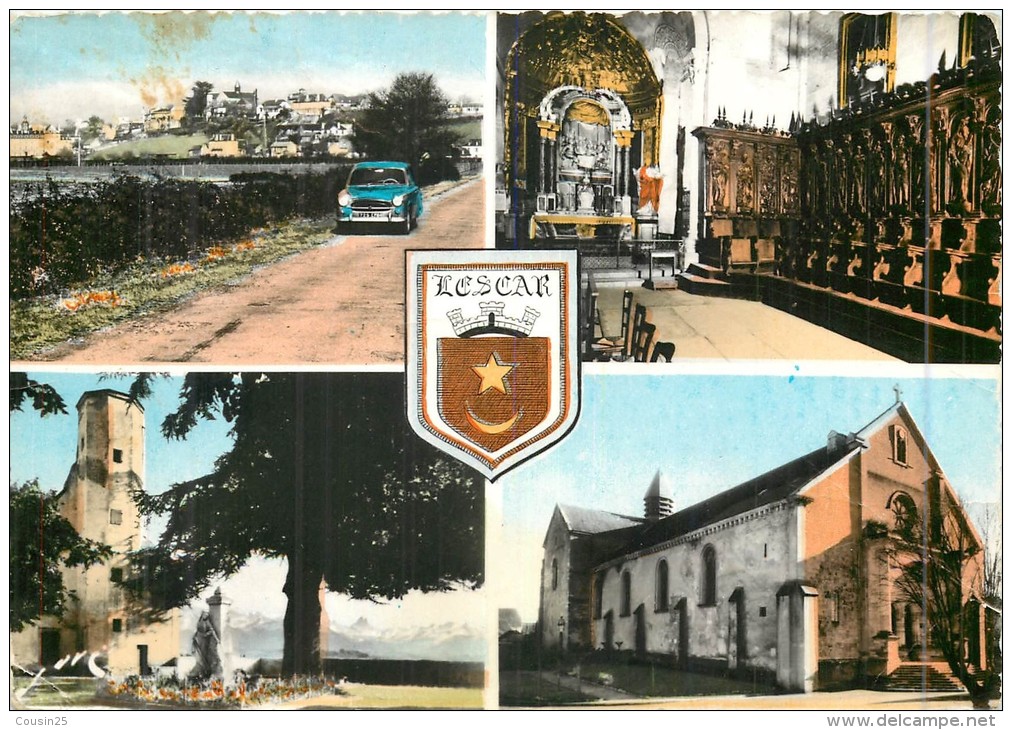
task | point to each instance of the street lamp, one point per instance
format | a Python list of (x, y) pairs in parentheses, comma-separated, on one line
[(562, 633)]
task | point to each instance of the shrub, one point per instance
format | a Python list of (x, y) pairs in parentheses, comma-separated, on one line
[(64, 234)]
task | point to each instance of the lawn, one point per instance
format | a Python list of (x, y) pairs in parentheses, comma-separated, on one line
[(67, 692), (531, 689), (177, 146), (648, 680), (394, 697)]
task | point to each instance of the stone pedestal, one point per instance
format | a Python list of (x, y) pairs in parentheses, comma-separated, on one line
[(218, 607)]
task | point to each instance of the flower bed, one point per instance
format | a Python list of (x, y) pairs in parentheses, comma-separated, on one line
[(83, 299), (215, 694)]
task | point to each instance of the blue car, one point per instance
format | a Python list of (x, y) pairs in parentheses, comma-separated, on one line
[(380, 193)]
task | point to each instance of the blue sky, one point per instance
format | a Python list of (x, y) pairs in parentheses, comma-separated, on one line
[(45, 448), (710, 432), (72, 65)]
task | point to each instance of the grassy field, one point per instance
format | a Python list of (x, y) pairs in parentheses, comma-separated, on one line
[(80, 693), (383, 697), (648, 680), (531, 689), (468, 129), (170, 144)]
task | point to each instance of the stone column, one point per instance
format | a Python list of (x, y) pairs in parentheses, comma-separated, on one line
[(218, 610), (623, 138), (797, 637), (544, 129)]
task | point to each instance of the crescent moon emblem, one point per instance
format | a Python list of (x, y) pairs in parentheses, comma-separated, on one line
[(491, 428)]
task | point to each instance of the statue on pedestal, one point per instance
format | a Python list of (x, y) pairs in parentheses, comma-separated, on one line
[(205, 646)]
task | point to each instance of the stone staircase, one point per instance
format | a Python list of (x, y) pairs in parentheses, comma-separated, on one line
[(922, 677), (706, 280)]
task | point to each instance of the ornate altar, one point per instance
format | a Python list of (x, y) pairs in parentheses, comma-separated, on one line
[(582, 114), (749, 201)]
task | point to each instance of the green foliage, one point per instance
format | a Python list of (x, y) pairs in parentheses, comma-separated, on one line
[(42, 542), (196, 103), (409, 122), (44, 397), (325, 472), (60, 236)]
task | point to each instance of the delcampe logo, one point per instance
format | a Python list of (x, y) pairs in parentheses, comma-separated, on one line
[(493, 366)]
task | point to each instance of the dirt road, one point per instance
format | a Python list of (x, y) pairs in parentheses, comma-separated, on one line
[(341, 303)]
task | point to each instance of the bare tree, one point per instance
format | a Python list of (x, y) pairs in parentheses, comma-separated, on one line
[(942, 567)]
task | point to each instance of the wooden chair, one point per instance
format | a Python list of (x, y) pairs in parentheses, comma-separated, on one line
[(639, 318), (641, 341), (663, 350)]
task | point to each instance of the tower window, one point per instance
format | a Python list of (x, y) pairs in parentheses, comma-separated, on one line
[(899, 443), (117, 456), (117, 625), (115, 517), (762, 612), (116, 574), (555, 574)]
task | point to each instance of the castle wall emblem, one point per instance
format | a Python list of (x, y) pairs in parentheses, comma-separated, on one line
[(492, 361)]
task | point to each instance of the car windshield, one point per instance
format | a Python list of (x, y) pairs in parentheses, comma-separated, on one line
[(377, 176)]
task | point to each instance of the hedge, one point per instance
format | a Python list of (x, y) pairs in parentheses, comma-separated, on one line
[(65, 234)]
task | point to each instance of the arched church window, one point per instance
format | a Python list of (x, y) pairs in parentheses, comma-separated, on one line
[(626, 608), (708, 585), (904, 514), (555, 573), (899, 443), (661, 587)]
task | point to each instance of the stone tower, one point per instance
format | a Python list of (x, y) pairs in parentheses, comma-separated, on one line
[(657, 502), (96, 500)]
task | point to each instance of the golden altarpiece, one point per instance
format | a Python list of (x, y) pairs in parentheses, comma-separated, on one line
[(582, 115)]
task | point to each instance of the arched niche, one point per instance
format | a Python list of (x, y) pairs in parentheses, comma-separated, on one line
[(586, 61)]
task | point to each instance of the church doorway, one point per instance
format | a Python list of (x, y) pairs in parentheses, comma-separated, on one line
[(682, 619), (49, 649), (738, 654), (641, 631), (609, 630)]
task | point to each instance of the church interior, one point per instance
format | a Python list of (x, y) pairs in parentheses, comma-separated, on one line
[(841, 167)]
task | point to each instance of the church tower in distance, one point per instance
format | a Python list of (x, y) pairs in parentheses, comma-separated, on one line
[(657, 502)]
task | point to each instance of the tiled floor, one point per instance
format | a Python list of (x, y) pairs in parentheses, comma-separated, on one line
[(730, 329)]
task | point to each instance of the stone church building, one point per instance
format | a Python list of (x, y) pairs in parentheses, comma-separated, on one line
[(96, 500), (790, 576)]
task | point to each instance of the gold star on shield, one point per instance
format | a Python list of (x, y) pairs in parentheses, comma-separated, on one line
[(492, 374)]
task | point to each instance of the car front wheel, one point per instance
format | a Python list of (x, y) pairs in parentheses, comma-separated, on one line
[(409, 222)]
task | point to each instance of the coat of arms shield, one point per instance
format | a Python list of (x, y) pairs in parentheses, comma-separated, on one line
[(492, 352)]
